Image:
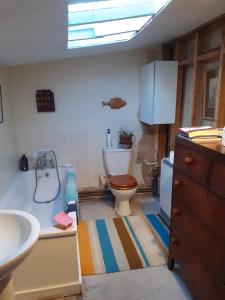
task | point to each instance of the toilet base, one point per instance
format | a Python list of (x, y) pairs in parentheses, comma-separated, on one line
[(122, 205), (122, 208)]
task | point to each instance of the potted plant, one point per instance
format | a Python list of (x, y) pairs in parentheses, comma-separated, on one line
[(125, 138)]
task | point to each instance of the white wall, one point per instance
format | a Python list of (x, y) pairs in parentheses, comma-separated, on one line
[(76, 131), (8, 147)]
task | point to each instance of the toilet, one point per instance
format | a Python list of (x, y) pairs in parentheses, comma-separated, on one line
[(122, 185)]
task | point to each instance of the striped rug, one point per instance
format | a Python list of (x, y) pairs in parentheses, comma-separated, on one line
[(119, 244)]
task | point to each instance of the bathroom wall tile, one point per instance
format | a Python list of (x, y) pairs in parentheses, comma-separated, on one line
[(9, 158)]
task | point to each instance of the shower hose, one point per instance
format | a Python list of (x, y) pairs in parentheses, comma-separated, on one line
[(36, 181)]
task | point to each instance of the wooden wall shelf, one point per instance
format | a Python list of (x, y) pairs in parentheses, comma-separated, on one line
[(186, 62), (198, 49), (211, 55), (204, 57)]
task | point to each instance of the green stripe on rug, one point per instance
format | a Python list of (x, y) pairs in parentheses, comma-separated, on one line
[(122, 244)]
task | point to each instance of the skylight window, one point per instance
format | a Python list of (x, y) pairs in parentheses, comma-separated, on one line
[(97, 22)]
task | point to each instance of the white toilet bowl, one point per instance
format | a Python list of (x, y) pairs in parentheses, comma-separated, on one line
[(123, 188), (122, 204)]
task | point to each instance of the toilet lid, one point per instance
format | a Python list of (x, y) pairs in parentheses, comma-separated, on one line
[(123, 181)]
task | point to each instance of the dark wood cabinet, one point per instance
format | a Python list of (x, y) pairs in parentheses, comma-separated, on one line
[(197, 238)]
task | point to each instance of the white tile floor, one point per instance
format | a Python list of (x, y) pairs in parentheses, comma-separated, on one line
[(156, 283), (69, 298), (105, 209), (96, 210)]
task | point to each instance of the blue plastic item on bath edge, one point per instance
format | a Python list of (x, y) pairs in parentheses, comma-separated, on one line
[(71, 195)]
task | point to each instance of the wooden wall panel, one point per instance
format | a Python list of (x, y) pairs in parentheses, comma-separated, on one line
[(163, 141), (197, 82), (220, 108), (197, 50), (179, 103)]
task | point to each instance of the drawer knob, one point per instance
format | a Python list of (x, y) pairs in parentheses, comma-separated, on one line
[(177, 212), (177, 182), (188, 160), (175, 241)]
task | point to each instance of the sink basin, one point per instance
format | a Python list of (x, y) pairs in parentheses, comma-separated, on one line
[(19, 232)]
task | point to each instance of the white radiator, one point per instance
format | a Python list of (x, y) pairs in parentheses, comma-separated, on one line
[(166, 186)]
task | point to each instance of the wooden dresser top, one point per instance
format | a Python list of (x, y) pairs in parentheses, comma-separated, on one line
[(211, 146)]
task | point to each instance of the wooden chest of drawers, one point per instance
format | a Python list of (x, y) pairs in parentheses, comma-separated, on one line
[(197, 239)]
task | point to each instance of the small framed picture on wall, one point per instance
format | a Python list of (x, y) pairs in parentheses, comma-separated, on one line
[(210, 94), (1, 105)]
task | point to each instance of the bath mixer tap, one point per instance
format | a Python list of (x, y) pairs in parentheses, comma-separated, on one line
[(42, 162), (40, 153), (41, 158)]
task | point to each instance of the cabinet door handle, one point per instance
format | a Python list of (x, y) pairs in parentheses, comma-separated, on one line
[(177, 212), (175, 241), (188, 160), (177, 182)]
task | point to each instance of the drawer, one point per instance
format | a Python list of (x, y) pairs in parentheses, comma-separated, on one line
[(217, 180), (208, 208), (194, 163), (203, 242), (196, 269)]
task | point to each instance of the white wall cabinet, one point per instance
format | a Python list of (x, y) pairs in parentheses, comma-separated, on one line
[(158, 88)]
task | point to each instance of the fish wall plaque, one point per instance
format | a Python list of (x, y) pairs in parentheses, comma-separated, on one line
[(115, 103)]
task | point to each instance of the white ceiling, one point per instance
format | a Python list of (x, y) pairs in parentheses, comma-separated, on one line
[(36, 30)]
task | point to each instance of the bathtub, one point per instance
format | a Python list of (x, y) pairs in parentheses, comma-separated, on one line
[(55, 262)]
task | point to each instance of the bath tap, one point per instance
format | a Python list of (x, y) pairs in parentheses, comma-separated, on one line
[(40, 153), (42, 162), (52, 164), (41, 158)]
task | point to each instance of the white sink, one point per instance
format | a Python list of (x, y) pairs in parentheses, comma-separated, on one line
[(19, 232)]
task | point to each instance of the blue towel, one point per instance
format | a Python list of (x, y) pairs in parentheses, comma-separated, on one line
[(71, 195)]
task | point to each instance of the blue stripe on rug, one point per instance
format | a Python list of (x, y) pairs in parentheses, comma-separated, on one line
[(106, 247), (137, 242), (159, 228)]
